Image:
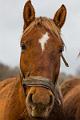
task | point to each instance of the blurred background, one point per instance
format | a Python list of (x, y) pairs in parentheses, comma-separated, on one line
[(11, 24)]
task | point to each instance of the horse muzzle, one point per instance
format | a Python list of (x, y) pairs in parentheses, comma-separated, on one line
[(40, 98)]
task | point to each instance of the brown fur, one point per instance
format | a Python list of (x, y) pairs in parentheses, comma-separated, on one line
[(39, 102), (32, 59), (67, 85), (28, 14), (60, 19), (71, 102), (12, 102), (12, 99), (34, 62)]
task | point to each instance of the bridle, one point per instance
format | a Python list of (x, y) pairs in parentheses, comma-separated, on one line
[(39, 81)]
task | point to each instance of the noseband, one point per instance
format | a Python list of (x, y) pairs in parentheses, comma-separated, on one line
[(38, 81)]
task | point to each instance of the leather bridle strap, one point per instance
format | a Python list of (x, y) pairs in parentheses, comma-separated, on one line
[(64, 60), (48, 84)]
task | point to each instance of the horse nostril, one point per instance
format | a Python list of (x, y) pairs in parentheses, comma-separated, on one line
[(30, 98), (51, 100)]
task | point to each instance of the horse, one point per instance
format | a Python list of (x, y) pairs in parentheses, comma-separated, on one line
[(71, 98), (34, 94), (68, 85), (12, 99)]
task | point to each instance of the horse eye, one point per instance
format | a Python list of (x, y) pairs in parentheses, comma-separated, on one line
[(23, 47), (61, 50)]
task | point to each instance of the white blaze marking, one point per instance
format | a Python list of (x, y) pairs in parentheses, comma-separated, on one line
[(44, 40)]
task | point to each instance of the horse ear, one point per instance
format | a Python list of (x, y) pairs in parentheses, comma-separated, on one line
[(60, 16), (28, 14), (79, 54)]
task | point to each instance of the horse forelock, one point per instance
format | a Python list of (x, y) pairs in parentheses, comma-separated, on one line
[(46, 22)]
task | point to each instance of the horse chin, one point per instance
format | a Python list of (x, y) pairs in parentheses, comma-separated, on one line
[(35, 113), (38, 115)]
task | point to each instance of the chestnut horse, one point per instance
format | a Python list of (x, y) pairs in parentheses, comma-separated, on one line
[(71, 101), (71, 98), (68, 84), (35, 95)]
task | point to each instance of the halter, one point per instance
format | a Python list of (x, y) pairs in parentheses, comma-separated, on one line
[(39, 81)]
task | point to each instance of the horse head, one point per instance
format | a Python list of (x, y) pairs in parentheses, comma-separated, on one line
[(41, 50)]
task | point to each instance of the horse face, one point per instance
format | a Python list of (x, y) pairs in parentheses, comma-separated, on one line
[(41, 47), (40, 54)]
